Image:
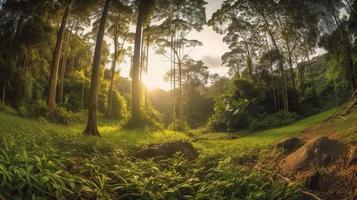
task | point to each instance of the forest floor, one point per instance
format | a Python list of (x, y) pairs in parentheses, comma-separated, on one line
[(50, 160)]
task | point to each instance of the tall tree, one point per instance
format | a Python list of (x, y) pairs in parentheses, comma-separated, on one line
[(91, 128), (51, 101), (144, 8), (119, 30)]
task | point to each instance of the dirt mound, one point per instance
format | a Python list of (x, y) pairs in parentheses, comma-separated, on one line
[(163, 151), (289, 144), (316, 153)]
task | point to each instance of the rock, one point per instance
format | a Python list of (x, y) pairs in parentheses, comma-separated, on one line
[(167, 150), (352, 157), (316, 153), (289, 144)]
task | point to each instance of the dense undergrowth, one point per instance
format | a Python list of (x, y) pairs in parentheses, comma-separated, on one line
[(55, 161), (41, 160)]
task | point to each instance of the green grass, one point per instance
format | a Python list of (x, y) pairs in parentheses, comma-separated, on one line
[(39, 159), (257, 140)]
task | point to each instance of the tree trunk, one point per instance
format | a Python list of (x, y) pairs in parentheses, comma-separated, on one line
[(112, 74), (51, 101), (4, 92), (285, 97), (249, 61), (147, 67), (64, 62), (82, 99), (291, 70), (272, 75), (174, 84), (136, 88), (91, 128)]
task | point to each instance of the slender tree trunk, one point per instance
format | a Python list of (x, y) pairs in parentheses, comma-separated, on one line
[(51, 101), (82, 99), (64, 62), (91, 128), (112, 74), (4, 91), (174, 84), (180, 94), (291, 70), (147, 67), (142, 65), (272, 75), (136, 91), (249, 61), (285, 97)]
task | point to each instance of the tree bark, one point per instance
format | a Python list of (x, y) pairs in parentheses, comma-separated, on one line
[(91, 128), (51, 101)]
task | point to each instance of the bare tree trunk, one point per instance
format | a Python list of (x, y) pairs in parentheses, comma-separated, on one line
[(91, 128), (51, 101), (64, 62), (147, 67), (272, 74), (136, 87), (112, 73), (82, 99), (285, 97), (174, 84), (291, 70), (4, 91)]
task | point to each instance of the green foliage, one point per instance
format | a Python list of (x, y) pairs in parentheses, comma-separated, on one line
[(43, 160), (40, 110), (265, 121), (151, 118), (63, 116), (119, 107), (34, 111)]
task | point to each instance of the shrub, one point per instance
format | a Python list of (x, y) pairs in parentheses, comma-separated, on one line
[(264, 121), (63, 116), (152, 118), (34, 111), (119, 107)]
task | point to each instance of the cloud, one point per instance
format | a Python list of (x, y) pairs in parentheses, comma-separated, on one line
[(212, 61)]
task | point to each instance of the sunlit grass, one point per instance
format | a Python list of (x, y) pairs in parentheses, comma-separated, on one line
[(128, 140)]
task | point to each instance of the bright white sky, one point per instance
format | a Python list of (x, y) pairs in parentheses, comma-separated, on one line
[(210, 53)]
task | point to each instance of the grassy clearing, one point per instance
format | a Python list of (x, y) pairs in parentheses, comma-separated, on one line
[(250, 141), (40, 159)]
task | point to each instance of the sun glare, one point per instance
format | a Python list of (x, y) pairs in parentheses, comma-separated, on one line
[(154, 81)]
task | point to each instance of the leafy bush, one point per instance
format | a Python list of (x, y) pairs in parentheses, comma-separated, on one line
[(63, 116), (265, 121), (152, 118), (34, 111), (119, 107)]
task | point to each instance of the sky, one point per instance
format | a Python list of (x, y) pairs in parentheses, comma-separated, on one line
[(210, 53)]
